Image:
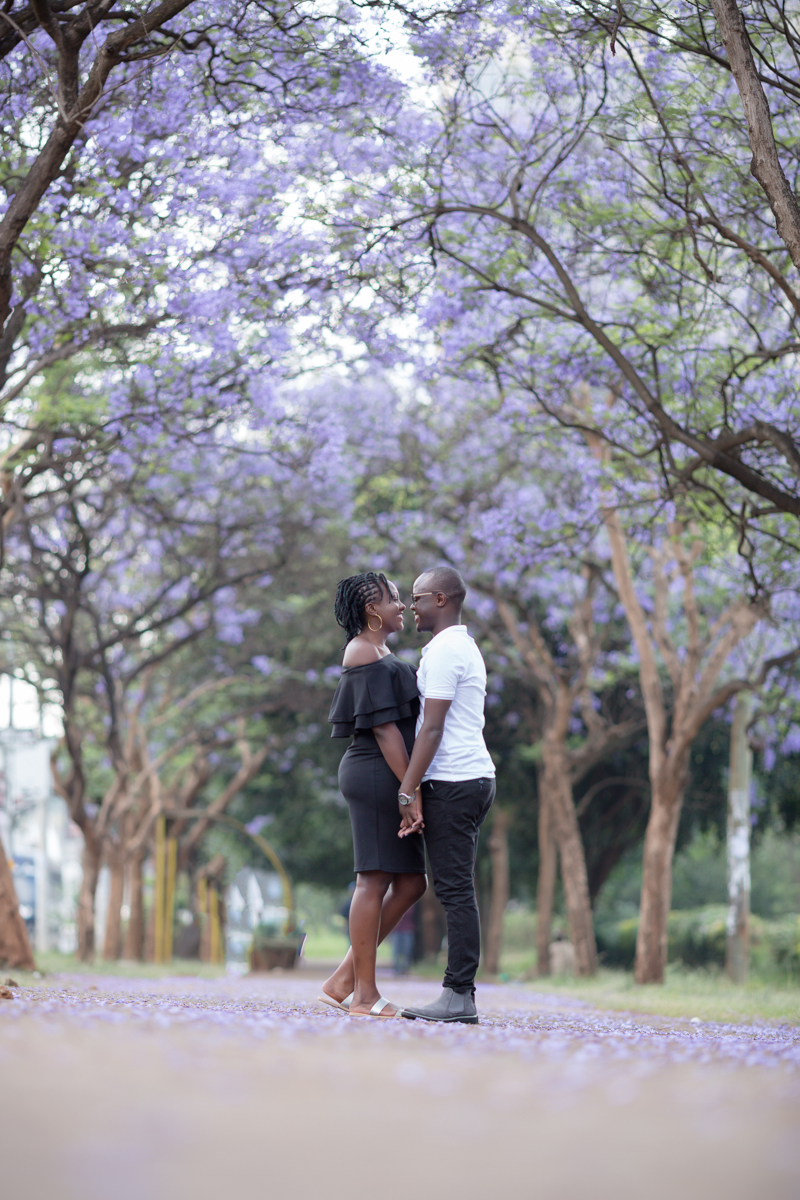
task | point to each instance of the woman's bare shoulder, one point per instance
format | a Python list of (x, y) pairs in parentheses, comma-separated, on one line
[(358, 653)]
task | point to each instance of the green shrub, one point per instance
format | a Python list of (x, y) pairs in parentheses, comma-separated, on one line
[(697, 938), (616, 942), (778, 946)]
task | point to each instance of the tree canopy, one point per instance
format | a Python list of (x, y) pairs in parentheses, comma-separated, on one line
[(290, 290)]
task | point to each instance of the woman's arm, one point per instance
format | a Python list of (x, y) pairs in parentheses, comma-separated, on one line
[(392, 747), (422, 755)]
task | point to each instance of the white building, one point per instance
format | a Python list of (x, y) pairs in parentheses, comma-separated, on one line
[(255, 898), (42, 842)]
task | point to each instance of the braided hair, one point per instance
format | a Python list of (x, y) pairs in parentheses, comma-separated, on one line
[(353, 595)]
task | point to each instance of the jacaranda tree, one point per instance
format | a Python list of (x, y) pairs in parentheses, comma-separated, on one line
[(152, 256), (121, 568), (557, 215)]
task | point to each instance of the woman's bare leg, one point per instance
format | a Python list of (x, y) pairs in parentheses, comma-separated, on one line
[(403, 891), (365, 927)]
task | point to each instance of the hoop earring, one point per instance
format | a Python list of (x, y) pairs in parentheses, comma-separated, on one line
[(380, 618)]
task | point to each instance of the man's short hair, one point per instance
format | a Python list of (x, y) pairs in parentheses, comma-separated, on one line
[(449, 581)]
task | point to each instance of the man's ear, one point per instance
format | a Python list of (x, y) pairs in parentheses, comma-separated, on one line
[(441, 599)]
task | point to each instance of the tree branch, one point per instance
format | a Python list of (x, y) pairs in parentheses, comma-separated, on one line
[(648, 667), (766, 165)]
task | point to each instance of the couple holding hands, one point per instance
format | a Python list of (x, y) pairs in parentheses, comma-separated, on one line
[(417, 768)]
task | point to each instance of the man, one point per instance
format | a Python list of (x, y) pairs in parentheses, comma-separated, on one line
[(449, 785)]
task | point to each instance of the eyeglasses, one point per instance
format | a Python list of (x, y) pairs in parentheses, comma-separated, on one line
[(419, 595)]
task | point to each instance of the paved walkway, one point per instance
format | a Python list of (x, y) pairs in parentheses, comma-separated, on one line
[(116, 1089)]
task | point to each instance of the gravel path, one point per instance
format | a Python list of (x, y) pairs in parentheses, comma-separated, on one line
[(174, 1088)]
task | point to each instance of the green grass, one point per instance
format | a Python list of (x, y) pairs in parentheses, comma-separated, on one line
[(705, 994), (326, 945), (331, 945), (54, 963)]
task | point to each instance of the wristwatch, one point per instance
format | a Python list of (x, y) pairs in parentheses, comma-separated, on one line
[(403, 799)]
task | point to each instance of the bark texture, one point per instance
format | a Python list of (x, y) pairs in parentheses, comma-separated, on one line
[(570, 849), (765, 166), (91, 861), (134, 934), (659, 849), (15, 945), (112, 944), (498, 853)]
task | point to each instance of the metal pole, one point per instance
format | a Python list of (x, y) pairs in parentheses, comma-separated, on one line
[(169, 896), (42, 861), (261, 842), (202, 906), (215, 955), (158, 899), (741, 764), (42, 916)]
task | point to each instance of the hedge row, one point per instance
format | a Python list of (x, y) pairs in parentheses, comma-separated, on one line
[(697, 938)]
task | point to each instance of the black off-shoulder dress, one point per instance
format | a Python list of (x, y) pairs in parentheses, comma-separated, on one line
[(371, 695)]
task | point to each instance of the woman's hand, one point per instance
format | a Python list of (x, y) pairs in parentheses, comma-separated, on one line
[(411, 817), (425, 747)]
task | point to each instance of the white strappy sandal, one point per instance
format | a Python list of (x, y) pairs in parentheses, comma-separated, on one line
[(343, 1004), (377, 1010)]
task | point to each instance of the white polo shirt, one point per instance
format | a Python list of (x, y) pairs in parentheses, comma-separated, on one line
[(452, 668)]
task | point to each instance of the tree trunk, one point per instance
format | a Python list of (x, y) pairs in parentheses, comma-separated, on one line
[(15, 945), (134, 935), (573, 860), (765, 166), (112, 946), (659, 848), (695, 696), (546, 886), (737, 956), (91, 872), (498, 853)]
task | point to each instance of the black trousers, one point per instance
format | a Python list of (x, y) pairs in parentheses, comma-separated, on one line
[(453, 814)]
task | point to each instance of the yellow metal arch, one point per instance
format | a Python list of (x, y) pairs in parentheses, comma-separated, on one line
[(163, 885)]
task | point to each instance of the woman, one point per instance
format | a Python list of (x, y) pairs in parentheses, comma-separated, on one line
[(377, 703)]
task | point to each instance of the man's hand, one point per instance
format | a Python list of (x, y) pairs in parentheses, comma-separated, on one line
[(411, 817), (425, 747)]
